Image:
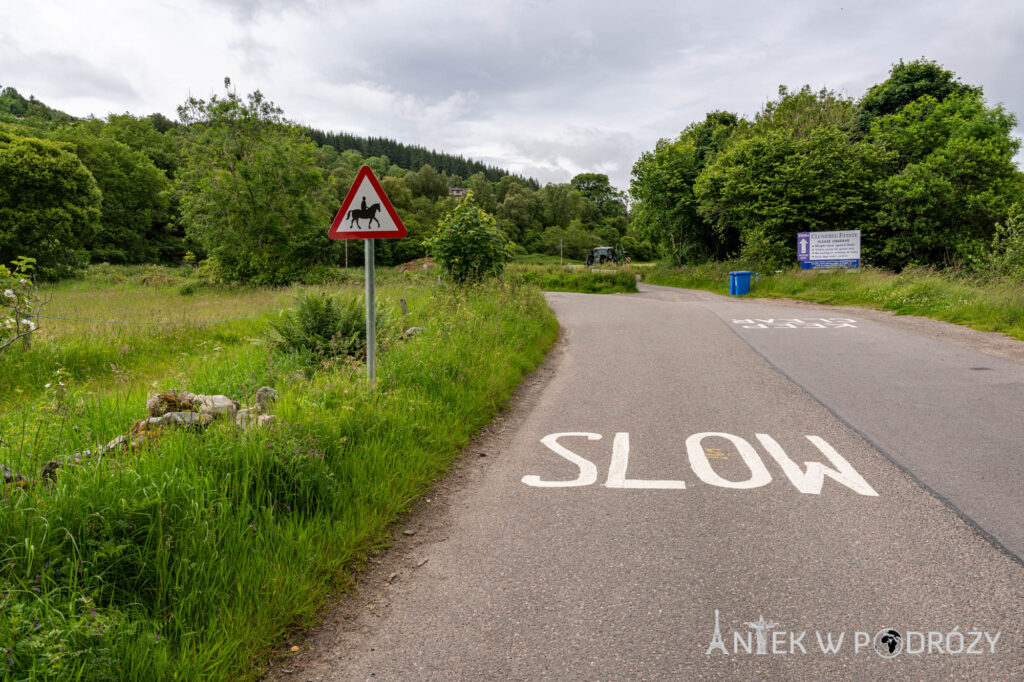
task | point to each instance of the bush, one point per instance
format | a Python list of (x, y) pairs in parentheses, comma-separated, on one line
[(49, 205), (1007, 256), (251, 194), (584, 280), (326, 326), (468, 244), (19, 302)]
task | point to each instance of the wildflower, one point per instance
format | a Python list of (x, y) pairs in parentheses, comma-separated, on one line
[(37, 623), (10, 661), (9, 294), (158, 637)]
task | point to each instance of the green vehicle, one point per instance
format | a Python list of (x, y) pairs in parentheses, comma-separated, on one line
[(605, 254)]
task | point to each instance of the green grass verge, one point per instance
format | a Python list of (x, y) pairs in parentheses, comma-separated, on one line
[(192, 557), (596, 280), (988, 304), (544, 259)]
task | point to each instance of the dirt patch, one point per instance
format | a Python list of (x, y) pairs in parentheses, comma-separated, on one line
[(418, 264)]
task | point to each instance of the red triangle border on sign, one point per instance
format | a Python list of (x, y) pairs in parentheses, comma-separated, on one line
[(336, 231)]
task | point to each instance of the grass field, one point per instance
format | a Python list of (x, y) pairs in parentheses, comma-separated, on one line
[(544, 259), (191, 556), (595, 280), (988, 304)]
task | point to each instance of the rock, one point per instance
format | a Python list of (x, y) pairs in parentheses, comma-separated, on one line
[(264, 397), (216, 405), (411, 332), (185, 420), (246, 416), (49, 469), (12, 476), (171, 401), (251, 417), (119, 442)]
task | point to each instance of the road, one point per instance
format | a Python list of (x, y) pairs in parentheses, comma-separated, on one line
[(699, 471)]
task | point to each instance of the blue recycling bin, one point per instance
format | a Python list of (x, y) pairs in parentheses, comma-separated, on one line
[(739, 282)]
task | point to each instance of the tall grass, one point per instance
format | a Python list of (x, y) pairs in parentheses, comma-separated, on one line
[(985, 303), (603, 280), (544, 259), (191, 557)]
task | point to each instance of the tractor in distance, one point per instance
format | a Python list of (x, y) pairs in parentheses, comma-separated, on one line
[(606, 254)]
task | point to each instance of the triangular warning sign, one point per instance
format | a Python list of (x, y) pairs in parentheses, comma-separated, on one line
[(367, 212)]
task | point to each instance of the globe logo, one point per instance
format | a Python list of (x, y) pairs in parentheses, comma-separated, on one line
[(888, 643)]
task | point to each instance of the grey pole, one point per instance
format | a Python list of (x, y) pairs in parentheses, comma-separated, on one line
[(371, 317)]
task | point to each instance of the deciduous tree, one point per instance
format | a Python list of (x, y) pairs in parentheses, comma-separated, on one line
[(49, 205), (251, 192)]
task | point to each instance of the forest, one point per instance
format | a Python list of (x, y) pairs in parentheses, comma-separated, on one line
[(922, 164), (235, 188)]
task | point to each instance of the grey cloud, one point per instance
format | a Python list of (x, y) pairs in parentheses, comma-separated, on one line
[(521, 47), (257, 56), (248, 10), (588, 148), (70, 76)]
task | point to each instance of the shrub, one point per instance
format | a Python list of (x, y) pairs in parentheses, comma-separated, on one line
[(326, 326), (19, 302), (188, 288), (49, 205), (1007, 255), (468, 244)]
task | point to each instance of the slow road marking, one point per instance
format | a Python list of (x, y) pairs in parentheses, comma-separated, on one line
[(808, 480)]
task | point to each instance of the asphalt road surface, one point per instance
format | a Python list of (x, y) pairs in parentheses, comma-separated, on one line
[(699, 471)]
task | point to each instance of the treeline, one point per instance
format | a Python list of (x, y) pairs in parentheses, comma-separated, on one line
[(246, 195), (921, 164), (410, 156)]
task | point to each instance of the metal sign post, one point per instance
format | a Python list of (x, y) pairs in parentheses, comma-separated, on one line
[(367, 214), (371, 314)]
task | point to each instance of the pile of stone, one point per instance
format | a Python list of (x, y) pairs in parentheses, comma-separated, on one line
[(168, 409)]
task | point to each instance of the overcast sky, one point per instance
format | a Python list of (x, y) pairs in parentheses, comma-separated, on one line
[(546, 89)]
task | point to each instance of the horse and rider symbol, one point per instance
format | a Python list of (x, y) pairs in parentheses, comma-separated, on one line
[(369, 212)]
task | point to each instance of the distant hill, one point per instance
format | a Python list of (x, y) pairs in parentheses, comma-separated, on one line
[(411, 157), (12, 103), (15, 106)]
